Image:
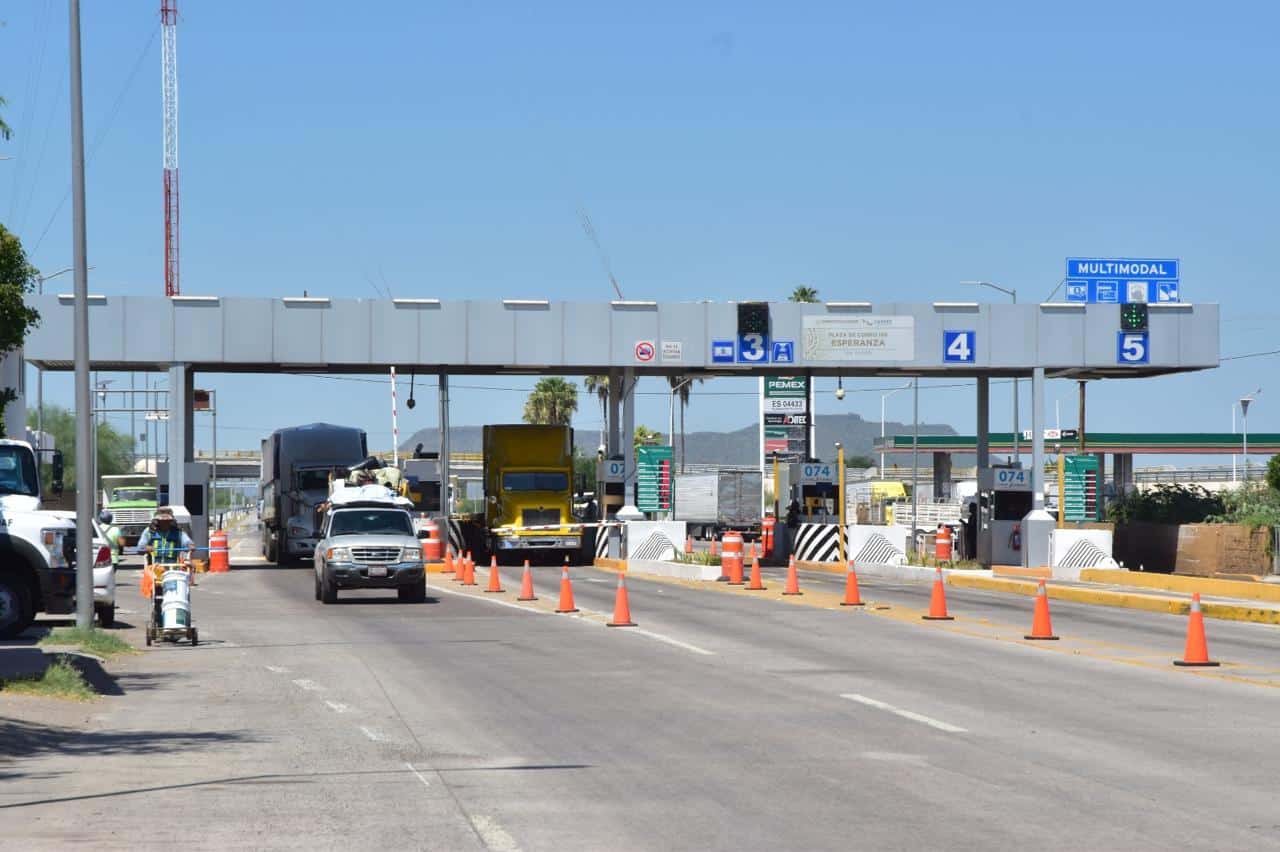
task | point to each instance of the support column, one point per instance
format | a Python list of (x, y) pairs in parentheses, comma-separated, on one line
[(1122, 472), (626, 436), (1037, 526), (445, 508), (12, 376), (180, 432), (615, 402), (941, 476), (982, 524)]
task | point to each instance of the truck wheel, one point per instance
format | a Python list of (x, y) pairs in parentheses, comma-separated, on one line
[(269, 548), (16, 613), (328, 591), (106, 615), (282, 551)]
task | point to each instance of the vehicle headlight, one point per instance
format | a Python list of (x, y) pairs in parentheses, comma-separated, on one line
[(53, 545), (338, 554), (411, 554)]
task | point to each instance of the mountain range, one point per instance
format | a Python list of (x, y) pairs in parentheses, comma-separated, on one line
[(737, 447)]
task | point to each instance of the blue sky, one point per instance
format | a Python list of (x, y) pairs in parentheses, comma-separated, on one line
[(723, 151)]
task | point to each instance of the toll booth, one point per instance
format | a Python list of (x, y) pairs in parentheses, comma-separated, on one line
[(817, 491), (1003, 500), (196, 499), (422, 478), (609, 473)]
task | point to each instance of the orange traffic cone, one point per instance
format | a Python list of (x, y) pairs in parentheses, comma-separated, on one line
[(1040, 626), (461, 576), (621, 606), (688, 545), (1196, 652), (526, 585), (470, 579), (793, 579), (147, 583), (938, 602), (755, 585), (495, 581), (448, 562), (566, 593), (852, 597)]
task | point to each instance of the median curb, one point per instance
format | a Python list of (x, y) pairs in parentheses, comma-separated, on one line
[(1125, 600), (1244, 589)]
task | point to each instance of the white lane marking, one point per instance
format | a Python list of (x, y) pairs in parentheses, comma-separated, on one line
[(906, 714), (579, 617), (338, 707), (676, 642), (495, 837), (308, 685), (417, 774), (490, 600), (372, 734), (277, 669)]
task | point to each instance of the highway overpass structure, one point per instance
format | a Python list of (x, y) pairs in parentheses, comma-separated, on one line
[(626, 339)]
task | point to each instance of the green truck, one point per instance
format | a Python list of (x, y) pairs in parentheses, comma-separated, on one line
[(131, 500)]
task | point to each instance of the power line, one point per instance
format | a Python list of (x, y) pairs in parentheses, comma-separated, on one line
[(102, 134), (1250, 355)]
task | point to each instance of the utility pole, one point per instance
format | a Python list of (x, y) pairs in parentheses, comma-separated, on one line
[(84, 394)]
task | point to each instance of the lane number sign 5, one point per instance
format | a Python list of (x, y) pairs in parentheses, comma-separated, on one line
[(1132, 347)]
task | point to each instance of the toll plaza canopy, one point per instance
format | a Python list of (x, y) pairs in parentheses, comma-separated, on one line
[(310, 334), (1172, 443)]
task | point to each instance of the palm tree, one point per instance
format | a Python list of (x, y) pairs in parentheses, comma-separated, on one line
[(599, 385), (645, 436), (552, 402), (803, 294), (680, 386)]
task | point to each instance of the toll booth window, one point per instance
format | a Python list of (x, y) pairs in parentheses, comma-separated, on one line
[(535, 481), (1011, 505)]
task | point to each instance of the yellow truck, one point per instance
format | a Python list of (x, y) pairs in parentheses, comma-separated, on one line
[(528, 489)]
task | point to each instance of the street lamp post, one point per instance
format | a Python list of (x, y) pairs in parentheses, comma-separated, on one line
[(1012, 294), (884, 396), (1244, 428)]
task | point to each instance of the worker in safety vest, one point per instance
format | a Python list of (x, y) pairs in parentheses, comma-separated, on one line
[(163, 541)]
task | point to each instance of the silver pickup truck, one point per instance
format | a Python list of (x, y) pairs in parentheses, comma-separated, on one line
[(367, 541)]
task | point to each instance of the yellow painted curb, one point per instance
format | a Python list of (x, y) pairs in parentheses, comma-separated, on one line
[(1126, 600), (827, 567), (611, 564), (1174, 583)]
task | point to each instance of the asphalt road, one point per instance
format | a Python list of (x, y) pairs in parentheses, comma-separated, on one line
[(725, 721)]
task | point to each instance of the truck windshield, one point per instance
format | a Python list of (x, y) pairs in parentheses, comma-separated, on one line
[(313, 480), (18, 472), (535, 481), (371, 522), (125, 494)]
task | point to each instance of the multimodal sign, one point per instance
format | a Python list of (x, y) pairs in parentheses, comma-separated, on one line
[(1122, 280)]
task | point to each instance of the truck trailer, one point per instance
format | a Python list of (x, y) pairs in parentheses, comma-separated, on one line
[(714, 503), (297, 464)]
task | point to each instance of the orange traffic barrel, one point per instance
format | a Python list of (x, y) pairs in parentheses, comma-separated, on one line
[(731, 554), (942, 544), (219, 561), (766, 535), (431, 545)]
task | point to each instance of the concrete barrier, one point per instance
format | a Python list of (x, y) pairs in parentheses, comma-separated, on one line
[(658, 568)]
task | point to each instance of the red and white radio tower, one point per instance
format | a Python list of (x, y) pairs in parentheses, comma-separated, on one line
[(169, 84)]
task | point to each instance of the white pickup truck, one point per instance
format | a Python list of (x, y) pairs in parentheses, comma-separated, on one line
[(37, 548), (368, 542)]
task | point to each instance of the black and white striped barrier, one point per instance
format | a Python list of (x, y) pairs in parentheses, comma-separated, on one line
[(821, 543)]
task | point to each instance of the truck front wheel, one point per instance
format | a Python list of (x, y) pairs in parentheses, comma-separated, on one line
[(16, 612)]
